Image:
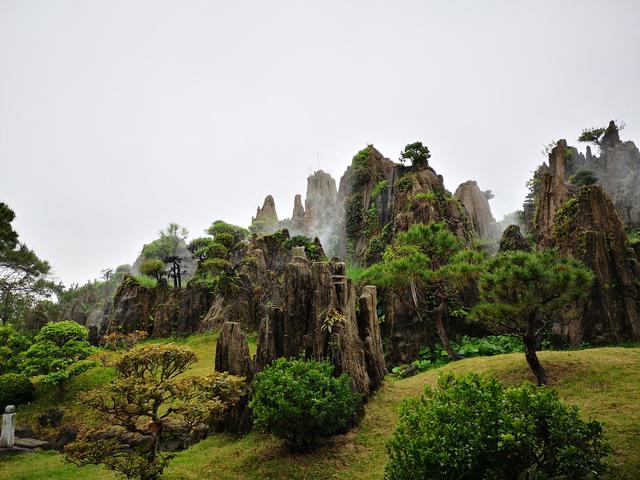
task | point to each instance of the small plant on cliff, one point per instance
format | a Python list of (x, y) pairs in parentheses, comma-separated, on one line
[(433, 264), (417, 153), (475, 428), (154, 268), (520, 291), (59, 352), (360, 167), (300, 401), (583, 177), (149, 400)]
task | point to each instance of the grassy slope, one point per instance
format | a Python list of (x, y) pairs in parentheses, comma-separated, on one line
[(604, 382)]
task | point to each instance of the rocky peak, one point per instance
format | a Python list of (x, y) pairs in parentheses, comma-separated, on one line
[(512, 239), (583, 223), (477, 206), (266, 219), (298, 226), (611, 136)]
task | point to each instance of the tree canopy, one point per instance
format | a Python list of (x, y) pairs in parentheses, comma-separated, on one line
[(519, 292), (434, 264), (417, 153), (23, 276)]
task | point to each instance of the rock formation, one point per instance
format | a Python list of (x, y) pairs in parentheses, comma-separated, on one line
[(298, 224), (583, 223), (266, 219), (618, 170), (512, 239), (160, 311), (232, 352), (477, 206), (317, 318), (187, 264)]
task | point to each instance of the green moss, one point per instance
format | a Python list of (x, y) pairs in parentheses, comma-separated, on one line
[(380, 186), (564, 219), (360, 167), (353, 216)]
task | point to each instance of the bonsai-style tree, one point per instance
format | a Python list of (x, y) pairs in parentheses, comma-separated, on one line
[(58, 352), (149, 400), (520, 291), (592, 135), (417, 153), (433, 263), (166, 248), (154, 267)]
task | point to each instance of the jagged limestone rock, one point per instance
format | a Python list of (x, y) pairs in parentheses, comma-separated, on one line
[(478, 209), (318, 319), (582, 222), (618, 170), (232, 352), (266, 219), (512, 239)]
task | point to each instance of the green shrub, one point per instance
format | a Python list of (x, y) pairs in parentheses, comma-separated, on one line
[(146, 281), (300, 401), (15, 389), (377, 190), (12, 343), (583, 177), (311, 249), (475, 428)]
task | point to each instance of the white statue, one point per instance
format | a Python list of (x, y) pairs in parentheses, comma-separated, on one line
[(7, 437)]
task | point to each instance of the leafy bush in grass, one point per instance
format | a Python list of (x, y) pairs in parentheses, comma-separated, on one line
[(475, 428), (300, 401), (15, 389), (436, 356)]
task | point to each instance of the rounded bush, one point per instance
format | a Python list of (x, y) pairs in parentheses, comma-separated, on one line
[(15, 389), (300, 401), (475, 428)]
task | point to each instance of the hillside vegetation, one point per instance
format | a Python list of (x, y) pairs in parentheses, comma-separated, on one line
[(603, 382)]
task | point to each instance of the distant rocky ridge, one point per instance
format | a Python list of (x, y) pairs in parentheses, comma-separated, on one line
[(618, 171), (583, 223)]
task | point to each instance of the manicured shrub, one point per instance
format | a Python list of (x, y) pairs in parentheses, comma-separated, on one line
[(300, 401), (475, 428), (15, 389)]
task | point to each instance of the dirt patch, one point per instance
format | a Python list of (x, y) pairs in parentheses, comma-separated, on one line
[(556, 372)]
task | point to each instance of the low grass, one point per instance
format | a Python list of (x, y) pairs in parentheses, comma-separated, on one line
[(603, 382)]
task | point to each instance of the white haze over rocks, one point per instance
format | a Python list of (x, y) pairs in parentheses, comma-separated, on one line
[(117, 117)]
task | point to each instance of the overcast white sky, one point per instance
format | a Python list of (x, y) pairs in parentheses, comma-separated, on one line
[(117, 117)]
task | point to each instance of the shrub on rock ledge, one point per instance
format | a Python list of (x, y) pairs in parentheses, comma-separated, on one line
[(301, 401), (475, 428)]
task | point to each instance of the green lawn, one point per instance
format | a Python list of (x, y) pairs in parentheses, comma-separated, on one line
[(603, 382)]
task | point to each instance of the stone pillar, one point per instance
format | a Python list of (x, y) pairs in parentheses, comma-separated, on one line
[(7, 437)]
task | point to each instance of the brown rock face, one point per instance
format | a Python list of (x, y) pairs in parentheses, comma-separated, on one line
[(159, 311), (478, 209), (318, 319), (298, 224), (512, 239), (232, 351), (582, 222), (618, 170), (266, 219)]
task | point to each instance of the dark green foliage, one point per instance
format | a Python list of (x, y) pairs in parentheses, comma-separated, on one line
[(471, 428), (58, 352), (583, 177), (378, 244), (15, 389), (378, 189), (354, 216), (153, 267), (312, 249), (592, 135), (432, 262), (23, 276), (519, 292), (360, 167), (417, 153), (300, 401), (436, 356), (220, 227), (12, 344), (167, 244)]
